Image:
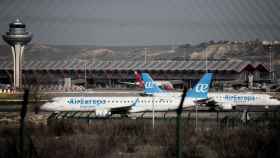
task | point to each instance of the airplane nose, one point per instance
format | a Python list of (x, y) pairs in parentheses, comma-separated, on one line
[(277, 102)]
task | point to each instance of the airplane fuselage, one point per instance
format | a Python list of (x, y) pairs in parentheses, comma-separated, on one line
[(227, 99), (243, 98), (133, 104)]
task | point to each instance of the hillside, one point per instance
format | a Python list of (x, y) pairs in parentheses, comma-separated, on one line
[(223, 50)]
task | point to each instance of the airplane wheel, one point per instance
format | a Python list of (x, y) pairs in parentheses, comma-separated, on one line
[(124, 116)]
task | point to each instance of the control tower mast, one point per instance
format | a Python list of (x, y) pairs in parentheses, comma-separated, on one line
[(17, 38)]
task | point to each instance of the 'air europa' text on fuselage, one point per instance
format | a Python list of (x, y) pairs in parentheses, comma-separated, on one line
[(84, 101), (239, 98)]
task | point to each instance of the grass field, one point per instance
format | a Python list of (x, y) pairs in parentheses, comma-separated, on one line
[(136, 138)]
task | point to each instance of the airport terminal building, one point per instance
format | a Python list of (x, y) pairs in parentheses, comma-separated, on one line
[(109, 74)]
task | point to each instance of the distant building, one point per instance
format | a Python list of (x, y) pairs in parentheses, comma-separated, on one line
[(109, 74)]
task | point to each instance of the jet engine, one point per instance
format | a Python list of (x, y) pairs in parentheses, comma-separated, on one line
[(227, 106), (102, 113)]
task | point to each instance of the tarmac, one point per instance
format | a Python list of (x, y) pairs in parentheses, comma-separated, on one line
[(202, 112)]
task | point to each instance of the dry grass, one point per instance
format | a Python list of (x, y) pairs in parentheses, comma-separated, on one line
[(136, 138)]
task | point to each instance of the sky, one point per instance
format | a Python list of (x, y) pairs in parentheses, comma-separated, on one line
[(143, 22)]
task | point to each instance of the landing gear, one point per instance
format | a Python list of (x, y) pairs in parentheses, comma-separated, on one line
[(245, 116), (124, 116), (142, 115), (164, 115)]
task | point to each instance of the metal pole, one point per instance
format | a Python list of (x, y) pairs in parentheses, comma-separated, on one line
[(217, 118), (153, 113), (22, 122), (270, 61), (185, 54), (195, 116), (178, 125), (246, 115), (86, 76)]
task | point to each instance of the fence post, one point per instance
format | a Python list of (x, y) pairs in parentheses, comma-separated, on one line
[(217, 118), (178, 125), (246, 118), (22, 122)]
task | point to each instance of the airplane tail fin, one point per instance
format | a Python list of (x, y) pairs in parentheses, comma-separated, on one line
[(138, 79), (137, 76), (150, 86), (200, 90)]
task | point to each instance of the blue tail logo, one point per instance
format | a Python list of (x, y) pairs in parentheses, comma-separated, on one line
[(200, 90), (150, 86)]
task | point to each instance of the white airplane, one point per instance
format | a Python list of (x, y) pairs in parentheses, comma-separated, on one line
[(230, 100), (224, 100), (106, 106)]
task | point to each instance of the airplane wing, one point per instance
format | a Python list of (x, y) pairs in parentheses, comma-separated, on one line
[(139, 84), (202, 101), (129, 83), (116, 110), (212, 104), (107, 112), (120, 110)]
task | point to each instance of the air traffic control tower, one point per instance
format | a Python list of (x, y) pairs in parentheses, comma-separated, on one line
[(17, 38)]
